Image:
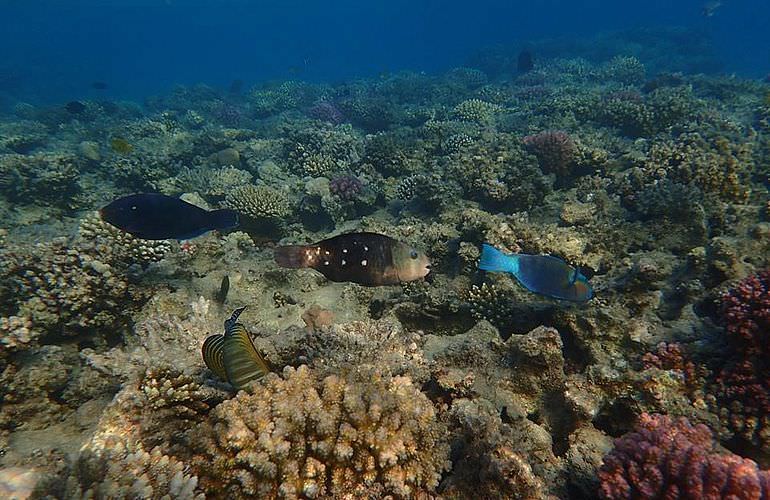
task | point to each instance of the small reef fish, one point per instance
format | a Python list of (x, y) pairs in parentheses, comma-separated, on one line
[(224, 287), (369, 259), (525, 62), (121, 146), (233, 356), (710, 7), (75, 107), (541, 274), (153, 216)]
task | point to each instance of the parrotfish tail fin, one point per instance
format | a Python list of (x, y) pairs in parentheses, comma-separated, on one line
[(223, 219), (494, 260), (291, 256)]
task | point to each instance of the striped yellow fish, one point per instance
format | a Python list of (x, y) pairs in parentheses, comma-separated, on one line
[(233, 356)]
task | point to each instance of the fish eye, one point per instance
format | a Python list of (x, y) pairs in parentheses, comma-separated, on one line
[(413, 254)]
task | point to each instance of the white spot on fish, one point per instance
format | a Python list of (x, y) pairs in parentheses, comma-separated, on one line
[(343, 262), (344, 250), (133, 207), (363, 262), (366, 248), (326, 252), (326, 262)]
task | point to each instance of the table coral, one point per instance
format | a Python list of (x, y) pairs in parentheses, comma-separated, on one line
[(671, 458), (299, 436)]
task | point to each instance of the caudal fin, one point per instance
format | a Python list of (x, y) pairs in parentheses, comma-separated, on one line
[(494, 260), (291, 256), (223, 219)]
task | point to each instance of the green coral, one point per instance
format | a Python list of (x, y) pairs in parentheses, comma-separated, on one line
[(259, 202), (476, 110)]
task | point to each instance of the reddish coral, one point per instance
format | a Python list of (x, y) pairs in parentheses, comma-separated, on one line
[(555, 150), (671, 356), (671, 458), (746, 313), (327, 112), (346, 187)]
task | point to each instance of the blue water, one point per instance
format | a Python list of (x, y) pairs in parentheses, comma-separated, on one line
[(52, 50)]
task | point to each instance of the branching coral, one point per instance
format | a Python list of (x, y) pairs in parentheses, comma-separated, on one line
[(118, 246), (41, 178), (65, 289), (476, 110), (298, 436), (130, 455), (668, 458), (259, 202)]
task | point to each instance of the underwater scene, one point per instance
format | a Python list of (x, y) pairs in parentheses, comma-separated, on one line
[(384, 250)]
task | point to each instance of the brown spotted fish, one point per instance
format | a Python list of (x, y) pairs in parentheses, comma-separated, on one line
[(233, 356), (368, 259)]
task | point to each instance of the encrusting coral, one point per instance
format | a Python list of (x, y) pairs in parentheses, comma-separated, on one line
[(298, 436)]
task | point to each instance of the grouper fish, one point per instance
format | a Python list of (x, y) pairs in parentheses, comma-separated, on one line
[(368, 259), (541, 274)]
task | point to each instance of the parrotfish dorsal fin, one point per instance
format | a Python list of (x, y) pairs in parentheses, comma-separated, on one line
[(242, 362), (213, 356)]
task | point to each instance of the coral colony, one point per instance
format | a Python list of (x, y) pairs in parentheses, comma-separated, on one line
[(617, 348)]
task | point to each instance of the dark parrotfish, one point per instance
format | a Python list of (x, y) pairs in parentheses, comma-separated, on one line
[(368, 259), (75, 107), (153, 216), (525, 62), (233, 356), (541, 274)]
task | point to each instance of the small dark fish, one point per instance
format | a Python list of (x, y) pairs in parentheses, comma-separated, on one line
[(236, 87), (525, 61), (224, 287), (99, 85), (233, 356), (153, 216), (710, 7), (368, 259), (541, 274), (75, 107)]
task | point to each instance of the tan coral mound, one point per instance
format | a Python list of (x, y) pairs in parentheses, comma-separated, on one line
[(301, 436)]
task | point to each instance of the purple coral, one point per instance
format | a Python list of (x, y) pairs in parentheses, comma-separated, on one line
[(327, 112), (346, 187), (746, 313), (555, 150), (670, 458)]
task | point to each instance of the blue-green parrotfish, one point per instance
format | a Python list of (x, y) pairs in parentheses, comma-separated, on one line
[(541, 274), (152, 216)]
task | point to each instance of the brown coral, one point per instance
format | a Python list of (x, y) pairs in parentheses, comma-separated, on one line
[(299, 436)]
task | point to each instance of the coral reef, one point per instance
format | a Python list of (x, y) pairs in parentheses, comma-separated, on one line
[(555, 150), (670, 458), (299, 436)]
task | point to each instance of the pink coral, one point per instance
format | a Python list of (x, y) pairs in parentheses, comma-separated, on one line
[(746, 313), (346, 187), (327, 112), (555, 150), (671, 458)]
